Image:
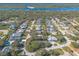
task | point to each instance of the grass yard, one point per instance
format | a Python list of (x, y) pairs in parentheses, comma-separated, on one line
[(4, 26)]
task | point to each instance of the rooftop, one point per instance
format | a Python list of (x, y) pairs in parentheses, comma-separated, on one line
[(52, 38)]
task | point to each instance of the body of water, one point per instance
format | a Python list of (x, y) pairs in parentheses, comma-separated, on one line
[(43, 9)]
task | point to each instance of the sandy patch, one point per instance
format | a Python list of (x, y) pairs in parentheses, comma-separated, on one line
[(4, 31)]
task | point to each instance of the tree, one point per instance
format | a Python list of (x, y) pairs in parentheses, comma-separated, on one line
[(75, 45), (1, 42), (48, 44), (42, 52), (1, 33), (6, 37), (33, 46), (56, 52), (62, 40)]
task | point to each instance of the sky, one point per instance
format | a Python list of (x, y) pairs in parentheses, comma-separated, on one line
[(39, 1)]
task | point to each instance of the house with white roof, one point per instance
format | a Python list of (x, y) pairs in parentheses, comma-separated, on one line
[(52, 39)]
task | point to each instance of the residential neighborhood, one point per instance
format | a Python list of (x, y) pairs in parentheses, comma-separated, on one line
[(38, 32)]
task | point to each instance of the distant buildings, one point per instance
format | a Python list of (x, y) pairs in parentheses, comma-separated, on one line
[(50, 27), (39, 26)]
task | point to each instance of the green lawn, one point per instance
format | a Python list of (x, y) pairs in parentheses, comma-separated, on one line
[(56, 52), (4, 26), (74, 38)]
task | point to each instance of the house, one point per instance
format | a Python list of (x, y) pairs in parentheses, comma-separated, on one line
[(5, 50), (39, 28), (6, 43), (15, 36), (20, 31), (3, 33), (23, 26), (65, 24), (1, 37), (52, 39), (50, 27), (13, 26)]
